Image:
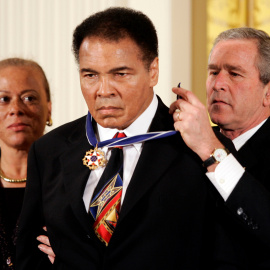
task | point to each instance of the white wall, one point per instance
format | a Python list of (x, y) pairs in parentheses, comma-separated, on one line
[(42, 30)]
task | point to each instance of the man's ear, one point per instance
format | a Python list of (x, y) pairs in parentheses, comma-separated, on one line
[(154, 72), (266, 99)]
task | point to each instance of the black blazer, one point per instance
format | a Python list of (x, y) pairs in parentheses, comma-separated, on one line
[(246, 222), (166, 220)]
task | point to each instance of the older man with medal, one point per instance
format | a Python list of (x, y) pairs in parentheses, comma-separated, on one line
[(118, 188)]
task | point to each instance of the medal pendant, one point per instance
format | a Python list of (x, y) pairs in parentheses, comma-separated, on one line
[(94, 159)]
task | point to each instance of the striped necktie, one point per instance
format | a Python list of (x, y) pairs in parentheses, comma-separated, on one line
[(105, 203)]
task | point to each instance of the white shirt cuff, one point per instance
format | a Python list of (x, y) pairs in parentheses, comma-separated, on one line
[(226, 176)]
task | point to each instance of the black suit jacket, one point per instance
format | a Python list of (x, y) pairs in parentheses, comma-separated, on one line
[(246, 222), (166, 220)]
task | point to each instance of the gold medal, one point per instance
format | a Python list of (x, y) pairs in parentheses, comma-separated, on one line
[(94, 159)]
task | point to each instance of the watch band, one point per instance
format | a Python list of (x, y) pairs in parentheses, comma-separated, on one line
[(216, 157), (209, 162)]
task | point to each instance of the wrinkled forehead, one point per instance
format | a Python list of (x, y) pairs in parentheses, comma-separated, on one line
[(234, 52)]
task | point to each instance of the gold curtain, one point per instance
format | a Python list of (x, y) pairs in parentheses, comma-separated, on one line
[(225, 14)]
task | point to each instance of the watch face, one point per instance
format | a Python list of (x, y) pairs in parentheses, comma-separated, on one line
[(220, 154)]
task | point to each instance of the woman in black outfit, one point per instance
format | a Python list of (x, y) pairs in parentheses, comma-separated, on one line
[(25, 109)]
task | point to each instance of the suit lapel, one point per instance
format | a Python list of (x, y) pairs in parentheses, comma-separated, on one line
[(156, 157), (249, 153), (75, 176)]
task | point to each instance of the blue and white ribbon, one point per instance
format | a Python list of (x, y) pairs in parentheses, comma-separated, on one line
[(90, 134)]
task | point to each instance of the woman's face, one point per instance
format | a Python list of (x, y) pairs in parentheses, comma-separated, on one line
[(24, 108)]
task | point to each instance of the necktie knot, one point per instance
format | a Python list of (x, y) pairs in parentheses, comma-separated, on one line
[(119, 135)]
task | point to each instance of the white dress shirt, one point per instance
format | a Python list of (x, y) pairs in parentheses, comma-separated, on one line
[(131, 153), (229, 171)]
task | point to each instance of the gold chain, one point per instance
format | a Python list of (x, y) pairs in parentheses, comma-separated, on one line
[(12, 180)]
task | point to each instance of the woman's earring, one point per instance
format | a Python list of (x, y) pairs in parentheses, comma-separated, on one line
[(49, 122)]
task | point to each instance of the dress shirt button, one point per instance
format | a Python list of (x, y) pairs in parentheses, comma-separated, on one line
[(240, 211), (88, 236), (244, 216), (221, 181)]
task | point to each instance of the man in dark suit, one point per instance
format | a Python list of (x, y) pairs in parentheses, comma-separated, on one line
[(238, 99), (167, 218)]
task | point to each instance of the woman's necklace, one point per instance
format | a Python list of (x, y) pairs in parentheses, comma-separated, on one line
[(11, 180)]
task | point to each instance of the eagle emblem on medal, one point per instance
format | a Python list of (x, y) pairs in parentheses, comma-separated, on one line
[(94, 159)]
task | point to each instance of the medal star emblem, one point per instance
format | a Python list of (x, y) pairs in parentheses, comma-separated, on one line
[(110, 191), (94, 159)]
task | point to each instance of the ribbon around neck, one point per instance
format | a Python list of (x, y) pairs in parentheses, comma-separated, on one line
[(90, 134)]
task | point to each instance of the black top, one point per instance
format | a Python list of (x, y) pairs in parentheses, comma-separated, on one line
[(10, 207)]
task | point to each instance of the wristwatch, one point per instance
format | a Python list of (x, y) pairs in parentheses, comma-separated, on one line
[(216, 157)]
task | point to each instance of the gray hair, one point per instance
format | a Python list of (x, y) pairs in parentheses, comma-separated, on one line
[(263, 44), (20, 62)]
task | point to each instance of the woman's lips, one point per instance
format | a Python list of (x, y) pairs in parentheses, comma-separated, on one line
[(18, 126)]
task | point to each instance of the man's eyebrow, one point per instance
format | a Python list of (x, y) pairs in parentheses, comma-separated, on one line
[(212, 66), (117, 69), (87, 70), (234, 67), (24, 91), (226, 66)]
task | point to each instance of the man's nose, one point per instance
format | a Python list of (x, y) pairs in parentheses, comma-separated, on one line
[(220, 81), (105, 88)]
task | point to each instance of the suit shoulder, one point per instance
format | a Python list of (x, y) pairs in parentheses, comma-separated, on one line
[(162, 120), (65, 132)]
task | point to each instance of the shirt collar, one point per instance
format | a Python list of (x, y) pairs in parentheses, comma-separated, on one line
[(139, 126), (243, 138)]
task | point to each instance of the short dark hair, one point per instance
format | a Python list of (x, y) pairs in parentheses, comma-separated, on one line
[(262, 40), (116, 23), (20, 62)]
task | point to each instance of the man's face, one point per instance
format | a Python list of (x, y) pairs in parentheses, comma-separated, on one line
[(236, 98), (115, 83)]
